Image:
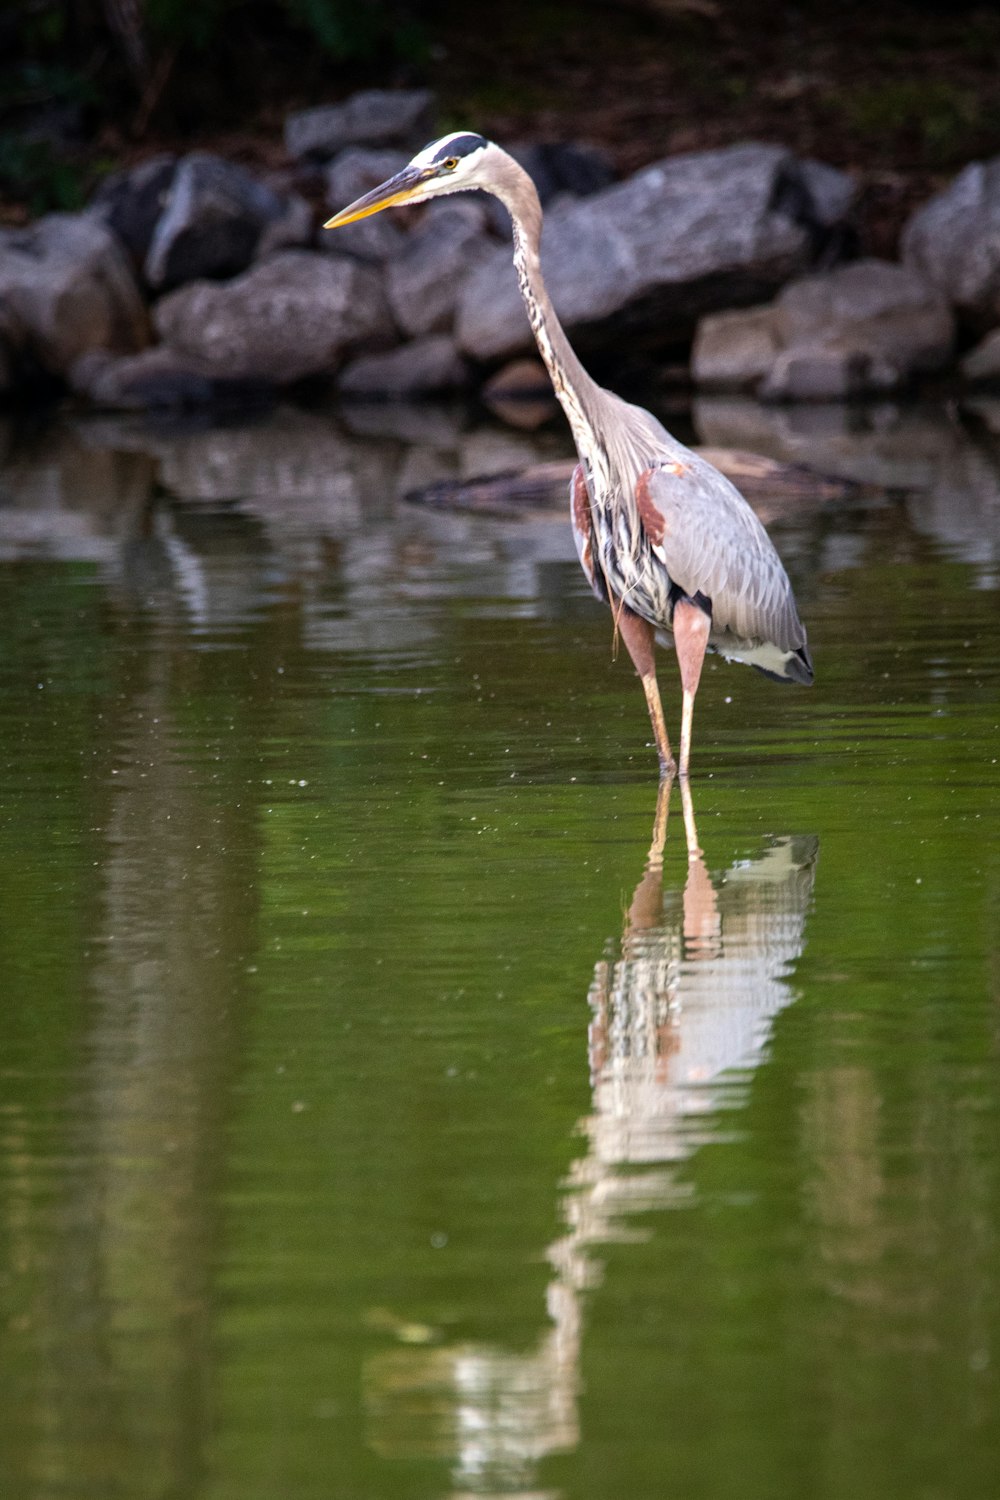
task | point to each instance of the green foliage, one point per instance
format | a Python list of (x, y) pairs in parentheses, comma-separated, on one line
[(36, 173), (943, 114)]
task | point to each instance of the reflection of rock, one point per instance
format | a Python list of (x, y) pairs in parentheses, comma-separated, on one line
[(952, 476), (889, 446), (692, 996), (961, 510), (61, 498)]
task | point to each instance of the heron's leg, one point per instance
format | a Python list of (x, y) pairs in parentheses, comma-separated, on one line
[(691, 629), (638, 636)]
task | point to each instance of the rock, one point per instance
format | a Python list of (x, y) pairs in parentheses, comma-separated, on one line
[(557, 168), (11, 343), (130, 202), (67, 284), (354, 172), (734, 351), (156, 378), (863, 328), (872, 305), (377, 117), (289, 317), (982, 363), (424, 367), (867, 326), (831, 195), (214, 221), (643, 259), (953, 241), (423, 282), (826, 375), (294, 229), (359, 169)]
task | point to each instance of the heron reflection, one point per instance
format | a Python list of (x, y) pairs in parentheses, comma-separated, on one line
[(700, 973)]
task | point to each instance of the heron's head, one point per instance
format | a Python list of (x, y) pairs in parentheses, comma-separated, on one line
[(450, 165)]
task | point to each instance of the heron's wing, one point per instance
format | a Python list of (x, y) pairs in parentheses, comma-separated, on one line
[(710, 542), (583, 532)]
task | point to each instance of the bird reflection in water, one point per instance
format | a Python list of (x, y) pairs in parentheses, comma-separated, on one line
[(699, 977)]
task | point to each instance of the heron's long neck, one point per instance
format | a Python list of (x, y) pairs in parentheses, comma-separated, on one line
[(579, 395)]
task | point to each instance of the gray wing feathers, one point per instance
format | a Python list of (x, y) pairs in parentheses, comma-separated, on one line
[(713, 543)]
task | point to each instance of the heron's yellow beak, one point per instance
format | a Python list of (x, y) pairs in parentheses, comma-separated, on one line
[(403, 188)]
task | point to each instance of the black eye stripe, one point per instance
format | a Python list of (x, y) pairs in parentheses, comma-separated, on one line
[(462, 145)]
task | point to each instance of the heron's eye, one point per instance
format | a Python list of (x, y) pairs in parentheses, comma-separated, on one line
[(450, 163)]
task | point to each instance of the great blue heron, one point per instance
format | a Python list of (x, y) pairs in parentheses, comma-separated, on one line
[(663, 537)]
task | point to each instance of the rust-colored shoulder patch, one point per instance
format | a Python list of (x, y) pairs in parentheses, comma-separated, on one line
[(581, 502), (583, 526), (653, 521)]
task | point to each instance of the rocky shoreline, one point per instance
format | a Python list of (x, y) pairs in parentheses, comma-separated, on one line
[(189, 281)]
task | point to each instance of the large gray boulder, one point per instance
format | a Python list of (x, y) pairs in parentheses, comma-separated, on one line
[(953, 241), (67, 284), (558, 167), (289, 317), (735, 351), (156, 378), (377, 117), (642, 260), (131, 201), (11, 343), (215, 220), (355, 172), (982, 364), (863, 328), (424, 367), (424, 280)]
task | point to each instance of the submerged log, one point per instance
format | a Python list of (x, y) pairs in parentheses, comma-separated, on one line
[(772, 488)]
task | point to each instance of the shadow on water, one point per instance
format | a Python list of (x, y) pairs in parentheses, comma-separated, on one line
[(680, 1018)]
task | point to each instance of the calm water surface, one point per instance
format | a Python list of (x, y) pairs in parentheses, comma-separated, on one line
[(375, 1119)]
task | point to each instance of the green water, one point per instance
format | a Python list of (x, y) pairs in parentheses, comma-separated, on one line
[(372, 1122)]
